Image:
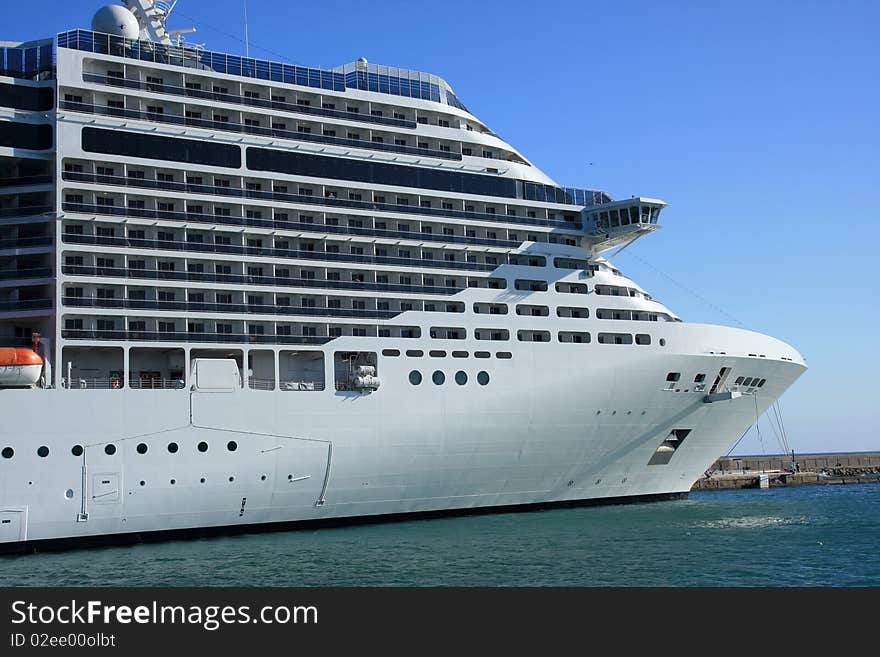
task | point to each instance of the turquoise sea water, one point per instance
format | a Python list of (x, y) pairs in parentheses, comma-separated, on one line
[(800, 536)]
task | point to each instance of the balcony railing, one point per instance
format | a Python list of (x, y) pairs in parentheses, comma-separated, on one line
[(26, 181), (26, 242), (329, 201), (162, 336), (152, 274), (300, 385), (27, 304), (115, 383), (228, 126), (297, 254), (224, 308), (27, 211), (281, 224), (25, 274)]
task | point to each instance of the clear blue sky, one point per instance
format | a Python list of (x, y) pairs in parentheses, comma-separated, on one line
[(756, 121)]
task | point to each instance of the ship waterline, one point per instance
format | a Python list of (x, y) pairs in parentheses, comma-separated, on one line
[(265, 295)]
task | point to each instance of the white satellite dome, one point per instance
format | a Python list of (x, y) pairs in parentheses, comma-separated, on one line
[(116, 20)]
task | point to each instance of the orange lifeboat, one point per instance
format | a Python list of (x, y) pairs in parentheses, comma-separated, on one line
[(19, 367)]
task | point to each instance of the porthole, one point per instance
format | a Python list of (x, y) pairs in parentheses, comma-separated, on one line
[(143, 483), (232, 446), (173, 481), (203, 446), (262, 477), (172, 447), (290, 477), (43, 451), (662, 342), (77, 450), (142, 448), (438, 378), (483, 378), (69, 493), (415, 377), (110, 450), (460, 378), (202, 480), (231, 479)]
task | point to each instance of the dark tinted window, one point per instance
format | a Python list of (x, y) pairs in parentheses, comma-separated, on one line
[(132, 144), (262, 159), (39, 99), (25, 135)]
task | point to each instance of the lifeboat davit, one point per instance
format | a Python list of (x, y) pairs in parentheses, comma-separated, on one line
[(19, 367)]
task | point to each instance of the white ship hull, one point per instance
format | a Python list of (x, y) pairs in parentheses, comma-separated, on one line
[(566, 432)]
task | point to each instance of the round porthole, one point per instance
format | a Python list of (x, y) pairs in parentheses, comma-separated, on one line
[(439, 378), (142, 448), (69, 493), (203, 446), (662, 342), (8, 452), (77, 450), (172, 447), (110, 450), (202, 480), (231, 479), (173, 481), (232, 446), (460, 378), (483, 378), (415, 377), (143, 483), (43, 451)]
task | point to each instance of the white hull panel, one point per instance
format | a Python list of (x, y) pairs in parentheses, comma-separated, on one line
[(565, 433)]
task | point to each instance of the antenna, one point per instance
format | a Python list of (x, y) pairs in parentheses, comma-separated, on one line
[(247, 45)]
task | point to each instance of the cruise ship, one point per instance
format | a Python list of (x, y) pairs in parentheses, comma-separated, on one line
[(241, 295)]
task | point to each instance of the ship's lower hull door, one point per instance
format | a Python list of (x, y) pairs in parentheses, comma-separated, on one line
[(12, 525), (105, 488), (302, 470)]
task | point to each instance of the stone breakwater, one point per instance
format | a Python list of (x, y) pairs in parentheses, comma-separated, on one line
[(783, 470)]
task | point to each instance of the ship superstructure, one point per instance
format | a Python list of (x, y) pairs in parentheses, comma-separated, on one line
[(264, 293)]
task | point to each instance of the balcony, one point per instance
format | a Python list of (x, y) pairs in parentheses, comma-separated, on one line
[(227, 126), (202, 247), (308, 200), (177, 337), (225, 308), (276, 281)]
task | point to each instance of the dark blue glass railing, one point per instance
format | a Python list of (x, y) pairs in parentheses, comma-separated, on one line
[(411, 84), (26, 242), (28, 63), (28, 304), (25, 274)]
